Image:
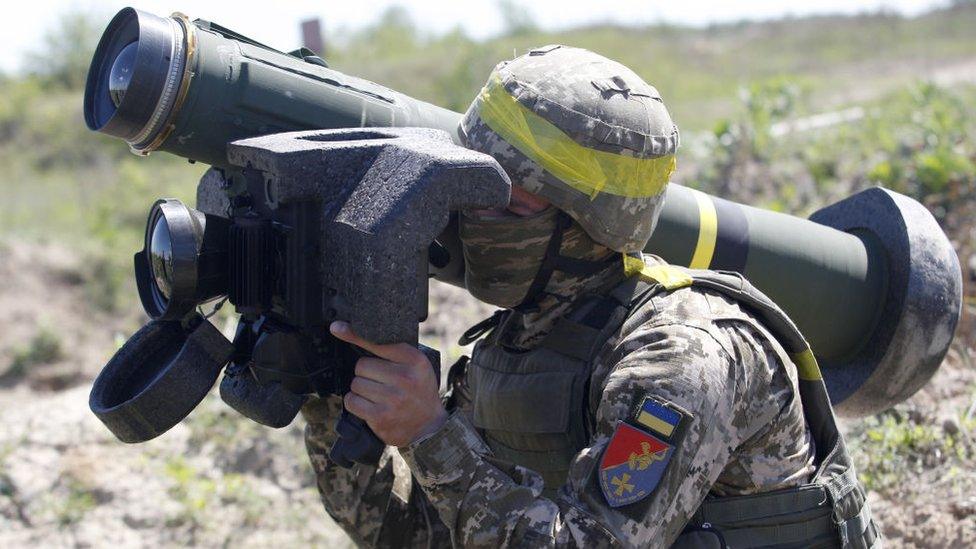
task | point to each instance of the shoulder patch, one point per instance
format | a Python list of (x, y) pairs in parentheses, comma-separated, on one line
[(660, 417), (632, 465), (639, 451)]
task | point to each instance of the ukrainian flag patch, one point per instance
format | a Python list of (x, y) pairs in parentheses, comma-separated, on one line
[(662, 418), (638, 454)]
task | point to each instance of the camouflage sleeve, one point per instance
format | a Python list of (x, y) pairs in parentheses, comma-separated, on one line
[(485, 503), (376, 506)]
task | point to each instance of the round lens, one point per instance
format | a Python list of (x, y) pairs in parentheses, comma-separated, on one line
[(161, 258), (121, 73)]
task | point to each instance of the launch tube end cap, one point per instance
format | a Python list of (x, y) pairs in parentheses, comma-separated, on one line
[(921, 306)]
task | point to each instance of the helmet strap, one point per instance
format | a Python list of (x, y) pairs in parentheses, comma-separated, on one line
[(552, 261)]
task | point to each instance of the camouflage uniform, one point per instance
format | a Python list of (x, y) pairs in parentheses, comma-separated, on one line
[(518, 463), (693, 348)]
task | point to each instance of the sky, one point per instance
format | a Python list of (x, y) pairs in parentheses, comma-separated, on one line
[(278, 25)]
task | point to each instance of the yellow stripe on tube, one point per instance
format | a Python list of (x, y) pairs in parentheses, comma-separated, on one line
[(707, 232)]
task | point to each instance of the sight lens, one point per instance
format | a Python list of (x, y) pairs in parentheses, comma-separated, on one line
[(136, 76), (161, 258), (121, 73), (183, 261)]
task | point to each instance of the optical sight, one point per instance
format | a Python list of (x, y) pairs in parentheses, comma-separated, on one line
[(192, 87), (183, 262)]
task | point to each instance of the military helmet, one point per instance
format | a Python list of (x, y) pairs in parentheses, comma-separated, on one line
[(584, 132)]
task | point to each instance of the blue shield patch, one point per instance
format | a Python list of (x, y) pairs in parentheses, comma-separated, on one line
[(632, 465)]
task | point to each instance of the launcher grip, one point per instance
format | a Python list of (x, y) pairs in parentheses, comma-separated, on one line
[(357, 443)]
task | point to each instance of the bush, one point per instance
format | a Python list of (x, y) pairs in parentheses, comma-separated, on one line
[(43, 348)]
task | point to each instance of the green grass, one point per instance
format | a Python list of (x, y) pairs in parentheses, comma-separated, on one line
[(891, 449), (914, 140), (73, 506), (64, 182), (193, 491), (199, 495), (220, 426), (43, 348)]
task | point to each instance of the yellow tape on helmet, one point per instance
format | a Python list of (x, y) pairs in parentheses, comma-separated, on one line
[(587, 170)]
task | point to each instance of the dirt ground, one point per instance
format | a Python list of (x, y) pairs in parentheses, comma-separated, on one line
[(932, 503), (218, 479)]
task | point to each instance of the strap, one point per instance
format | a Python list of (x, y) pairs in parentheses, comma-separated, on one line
[(747, 508), (668, 276), (858, 531), (798, 517), (841, 485), (453, 388), (819, 532), (582, 267), (549, 262), (806, 365), (481, 328), (758, 303), (672, 278), (582, 333)]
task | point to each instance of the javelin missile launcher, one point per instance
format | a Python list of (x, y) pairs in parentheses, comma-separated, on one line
[(871, 281)]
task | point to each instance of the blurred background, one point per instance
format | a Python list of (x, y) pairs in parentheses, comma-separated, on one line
[(784, 107)]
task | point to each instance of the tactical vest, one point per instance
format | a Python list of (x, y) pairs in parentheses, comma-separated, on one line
[(531, 408)]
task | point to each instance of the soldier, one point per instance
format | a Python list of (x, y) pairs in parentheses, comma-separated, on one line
[(615, 400)]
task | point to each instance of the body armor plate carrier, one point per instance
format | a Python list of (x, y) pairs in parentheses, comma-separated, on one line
[(531, 408)]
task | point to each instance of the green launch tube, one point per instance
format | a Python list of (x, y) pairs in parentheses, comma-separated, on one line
[(190, 88), (872, 281), (840, 276)]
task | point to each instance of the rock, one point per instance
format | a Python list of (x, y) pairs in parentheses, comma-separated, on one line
[(950, 426), (964, 508)]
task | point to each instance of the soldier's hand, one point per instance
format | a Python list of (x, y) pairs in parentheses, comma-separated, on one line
[(395, 392)]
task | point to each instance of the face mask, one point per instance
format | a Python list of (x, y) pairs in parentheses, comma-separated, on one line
[(502, 255)]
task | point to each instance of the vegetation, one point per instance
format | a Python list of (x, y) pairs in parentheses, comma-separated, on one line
[(698, 71), (43, 348), (894, 446), (914, 140), (73, 507)]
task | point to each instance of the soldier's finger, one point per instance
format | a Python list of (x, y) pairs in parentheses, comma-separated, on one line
[(360, 407), (395, 352), (370, 390), (377, 369)]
